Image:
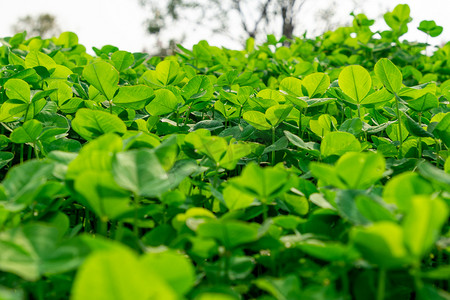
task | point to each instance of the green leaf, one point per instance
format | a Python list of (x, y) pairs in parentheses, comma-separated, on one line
[(327, 174), (393, 133), (415, 129), (199, 88), (173, 268), (382, 244), (402, 188), (18, 89), (230, 233), (36, 58), (434, 174), (122, 60), (133, 97), (319, 101), (164, 102), (322, 125), (268, 94), (102, 194), (312, 147), (118, 275), (353, 126), (389, 75), (423, 223), (63, 92), (360, 170), (355, 82), (72, 106), (5, 158), (235, 152), (377, 98), (316, 84), (235, 198), (262, 183), (17, 294), (90, 124), (214, 147), (442, 130), (15, 60), (140, 172), (297, 205), (22, 182), (283, 288), (398, 19), (430, 28), (291, 86), (33, 250), (373, 210), (54, 125), (67, 39), (424, 103), (439, 273), (103, 76), (338, 143), (346, 206), (256, 119), (167, 71), (330, 251), (96, 155), (27, 133), (277, 114)]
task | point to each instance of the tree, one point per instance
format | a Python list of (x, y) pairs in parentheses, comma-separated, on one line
[(43, 25), (236, 19)]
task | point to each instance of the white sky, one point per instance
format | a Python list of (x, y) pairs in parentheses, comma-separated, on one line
[(121, 22)]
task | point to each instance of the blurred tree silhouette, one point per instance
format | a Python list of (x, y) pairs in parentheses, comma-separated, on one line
[(43, 25), (236, 19)]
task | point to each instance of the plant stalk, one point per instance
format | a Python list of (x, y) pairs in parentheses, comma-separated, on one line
[(273, 142), (419, 146), (399, 120), (381, 284)]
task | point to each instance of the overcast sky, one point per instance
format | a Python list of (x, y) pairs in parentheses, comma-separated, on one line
[(121, 22)]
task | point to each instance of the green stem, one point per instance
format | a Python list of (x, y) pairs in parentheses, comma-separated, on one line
[(110, 107), (36, 152), (301, 135), (102, 227), (359, 111), (87, 220), (418, 283), (41, 289), (300, 123), (187, 115), (112, 230), (216, 178), (381, 284), (227, 266), (30, 152), (273, 142), (437, 149), (26, 113), (21, 153), (135, 221), (399, 120), (345, 283), (419, 146), (265, 212)]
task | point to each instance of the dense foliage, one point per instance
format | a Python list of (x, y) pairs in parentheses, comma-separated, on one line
[(304, 169)]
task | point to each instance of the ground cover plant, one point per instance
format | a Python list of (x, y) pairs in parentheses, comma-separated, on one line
[(304, 169)]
